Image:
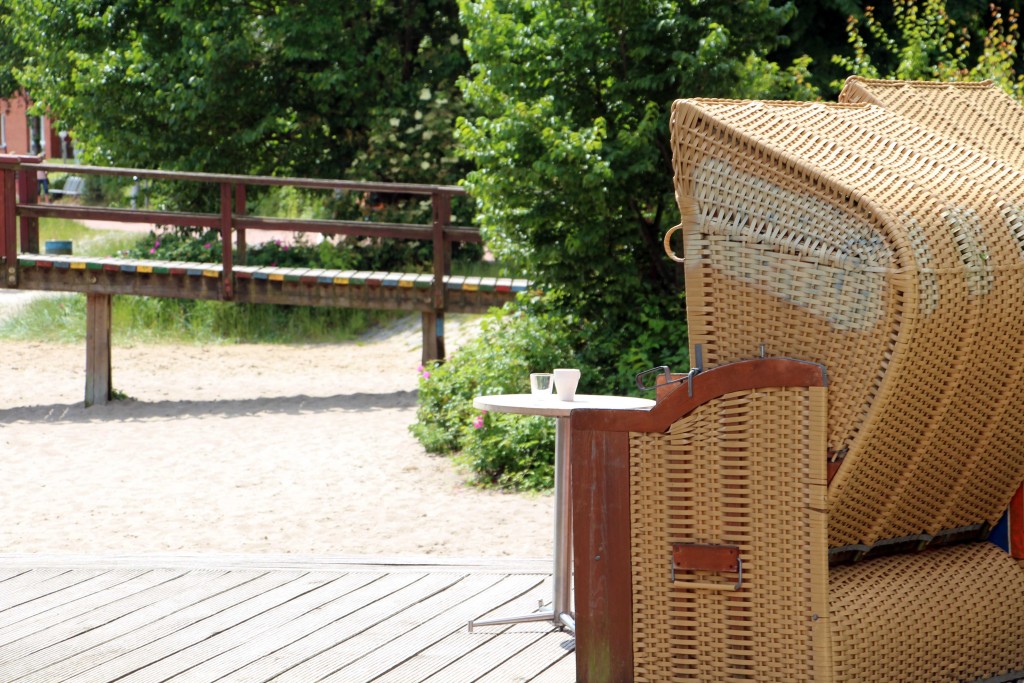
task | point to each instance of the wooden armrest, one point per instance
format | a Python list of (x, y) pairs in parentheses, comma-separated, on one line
[(709, 385)]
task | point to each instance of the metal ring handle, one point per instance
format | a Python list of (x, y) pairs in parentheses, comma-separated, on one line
[(668, 243)]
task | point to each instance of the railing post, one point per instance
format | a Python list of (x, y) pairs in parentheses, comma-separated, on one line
[(98, 386), (28, 193), (433, 321), (8, 222), (226, 278), (240, 210)]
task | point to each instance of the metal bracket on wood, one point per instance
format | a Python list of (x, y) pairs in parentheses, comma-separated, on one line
[(696, 557), (10, 272)]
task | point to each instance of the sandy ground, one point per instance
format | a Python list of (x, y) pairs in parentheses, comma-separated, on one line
[(241, 449)]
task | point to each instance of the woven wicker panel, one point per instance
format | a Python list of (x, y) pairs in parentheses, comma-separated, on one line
[(948, 615), (745, 470), (829, 233), (979, 115)]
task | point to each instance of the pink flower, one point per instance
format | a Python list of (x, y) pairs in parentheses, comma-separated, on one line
[(207, 246), (478, 421), (285, 247), (153, 250), (426, 375), (157, 245)]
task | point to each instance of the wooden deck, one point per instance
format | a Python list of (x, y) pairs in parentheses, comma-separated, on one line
[(259, 618)]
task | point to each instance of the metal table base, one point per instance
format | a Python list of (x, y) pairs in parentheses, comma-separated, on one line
[(560, 614)]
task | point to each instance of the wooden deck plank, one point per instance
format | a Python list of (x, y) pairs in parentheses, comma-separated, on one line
[(74, 635), (68, 603), (465, 656), (29, 587), (297, 653), (8, 574), (471, 666), (265, 657), (529, 663), (425, 633), (260, 618), (561, 671), (177, 631), (9, 589), (388, 628), (234, 610), (323, 589), (338, 563)]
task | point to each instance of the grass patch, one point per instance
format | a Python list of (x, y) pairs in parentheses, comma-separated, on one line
[(478, 269), (138, 319), (149, 320), (87, 241)]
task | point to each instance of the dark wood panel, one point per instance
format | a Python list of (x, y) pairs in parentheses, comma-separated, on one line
[(603, 572)]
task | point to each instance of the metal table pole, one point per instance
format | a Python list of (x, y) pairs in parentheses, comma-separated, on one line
[(561, 614), (562, 579)]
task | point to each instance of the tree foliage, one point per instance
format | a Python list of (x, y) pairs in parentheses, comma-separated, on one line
[(571, 146), (923, 41), (263, 86)]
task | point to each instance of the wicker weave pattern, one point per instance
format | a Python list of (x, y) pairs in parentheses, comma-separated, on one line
[(832, 233), (709, 480), (979, 115), (946, 615)]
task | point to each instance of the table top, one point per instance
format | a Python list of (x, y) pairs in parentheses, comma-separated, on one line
[(550, 406)]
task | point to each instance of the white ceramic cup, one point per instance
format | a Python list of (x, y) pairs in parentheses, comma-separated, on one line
[(540, 383), (566, 381)]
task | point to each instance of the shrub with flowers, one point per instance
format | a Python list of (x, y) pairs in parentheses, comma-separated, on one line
[(503, 450)]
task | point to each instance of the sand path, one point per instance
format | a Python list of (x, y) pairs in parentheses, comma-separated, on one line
[(242, 449)]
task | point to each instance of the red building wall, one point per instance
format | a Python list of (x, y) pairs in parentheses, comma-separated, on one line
[(15, 133)]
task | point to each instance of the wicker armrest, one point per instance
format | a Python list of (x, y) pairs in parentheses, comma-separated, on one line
[(600, 453)]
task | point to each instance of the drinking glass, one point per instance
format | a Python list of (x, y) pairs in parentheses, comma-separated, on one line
[(540, 383)]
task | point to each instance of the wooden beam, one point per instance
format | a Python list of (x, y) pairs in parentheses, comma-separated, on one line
[(97, 349), (602, 558), (433, 336), (28, 192), (8, 227)]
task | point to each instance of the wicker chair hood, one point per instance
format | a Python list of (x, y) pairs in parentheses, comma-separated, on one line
[(978, 115), (851, 236)]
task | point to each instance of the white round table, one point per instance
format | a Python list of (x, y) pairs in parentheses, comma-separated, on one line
[(561, 613)]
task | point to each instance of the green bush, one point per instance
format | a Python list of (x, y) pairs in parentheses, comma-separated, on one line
[(502, 450), (511, 451), (353, 253), (516, 452)]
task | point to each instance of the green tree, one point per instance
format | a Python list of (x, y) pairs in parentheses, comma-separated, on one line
[(11, 56), (572, 152), (263, 86), (573, 180)]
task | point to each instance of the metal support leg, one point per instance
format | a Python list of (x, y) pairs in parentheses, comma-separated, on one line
[(562, 578), (561, 614)]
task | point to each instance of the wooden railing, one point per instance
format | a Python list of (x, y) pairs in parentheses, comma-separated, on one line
[(20, 212)]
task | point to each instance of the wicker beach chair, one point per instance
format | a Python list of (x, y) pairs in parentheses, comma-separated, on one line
[(978, 115), (778, 526)]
